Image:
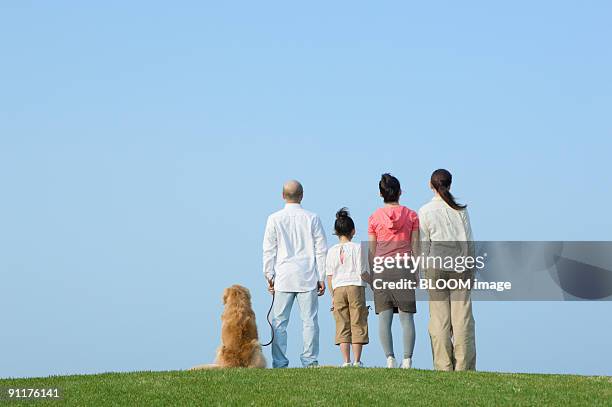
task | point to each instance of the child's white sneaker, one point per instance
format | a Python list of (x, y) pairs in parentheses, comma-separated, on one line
[(358, 364), (407, 363), (346, 364), (391, 362)]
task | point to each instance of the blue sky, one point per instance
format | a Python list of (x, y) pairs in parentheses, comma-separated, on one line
[(143, 145)]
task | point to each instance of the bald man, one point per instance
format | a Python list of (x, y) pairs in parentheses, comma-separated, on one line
[(294, 249)]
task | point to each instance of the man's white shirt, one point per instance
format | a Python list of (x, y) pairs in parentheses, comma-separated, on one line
[(294, 249)]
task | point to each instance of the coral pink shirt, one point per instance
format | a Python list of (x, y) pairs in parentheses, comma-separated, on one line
[(393, 227)]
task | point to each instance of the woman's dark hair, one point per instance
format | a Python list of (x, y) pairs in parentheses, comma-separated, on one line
[(389, 188), (441, 181), (344, 225)]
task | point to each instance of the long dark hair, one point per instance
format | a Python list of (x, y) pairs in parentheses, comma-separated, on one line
[(344, 224), (441, 181), (389, 187)]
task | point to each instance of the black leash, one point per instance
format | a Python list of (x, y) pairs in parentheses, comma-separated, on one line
[(270, 323)]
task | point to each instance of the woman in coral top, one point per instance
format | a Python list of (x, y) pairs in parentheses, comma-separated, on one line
[(393, 230)]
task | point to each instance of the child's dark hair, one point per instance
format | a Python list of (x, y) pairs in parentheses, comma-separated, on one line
[(389, 188), (344, 225)]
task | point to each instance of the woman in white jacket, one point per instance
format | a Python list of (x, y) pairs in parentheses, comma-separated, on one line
[(445, 231)]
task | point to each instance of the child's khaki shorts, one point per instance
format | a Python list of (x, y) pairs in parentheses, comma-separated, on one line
[(351, 314)]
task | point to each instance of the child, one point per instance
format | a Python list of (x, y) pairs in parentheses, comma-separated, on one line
[(346, 271)]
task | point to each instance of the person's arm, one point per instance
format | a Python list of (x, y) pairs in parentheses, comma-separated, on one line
[(465, 216), (329, 270), (371, 241), (425, 244), (415, 242), (331, 291), (320, 249), (371, 249), (362, 263), (270, 245)]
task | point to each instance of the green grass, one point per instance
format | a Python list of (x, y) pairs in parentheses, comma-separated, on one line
[(322, 386)]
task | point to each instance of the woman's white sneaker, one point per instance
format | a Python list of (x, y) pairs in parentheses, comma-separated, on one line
[(358, 364), (391, 362), (407, 363), (347, 364)]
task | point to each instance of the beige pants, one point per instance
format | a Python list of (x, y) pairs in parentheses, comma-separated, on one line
[(451, 325), (351, 314)]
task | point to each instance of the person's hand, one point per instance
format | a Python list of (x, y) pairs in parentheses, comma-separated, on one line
[(271, 286), (321, 288)]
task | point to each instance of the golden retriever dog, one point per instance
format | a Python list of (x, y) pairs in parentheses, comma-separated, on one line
[(240, 345)]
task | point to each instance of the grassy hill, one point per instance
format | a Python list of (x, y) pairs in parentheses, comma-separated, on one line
[(322, 386)]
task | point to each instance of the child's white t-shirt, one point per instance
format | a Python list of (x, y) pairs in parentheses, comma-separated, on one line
[(345, 264)]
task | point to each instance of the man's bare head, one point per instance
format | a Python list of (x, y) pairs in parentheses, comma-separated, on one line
[(293, 191)]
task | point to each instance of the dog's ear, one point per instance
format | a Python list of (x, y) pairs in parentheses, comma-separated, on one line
[(226, 294), (244, 292)]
